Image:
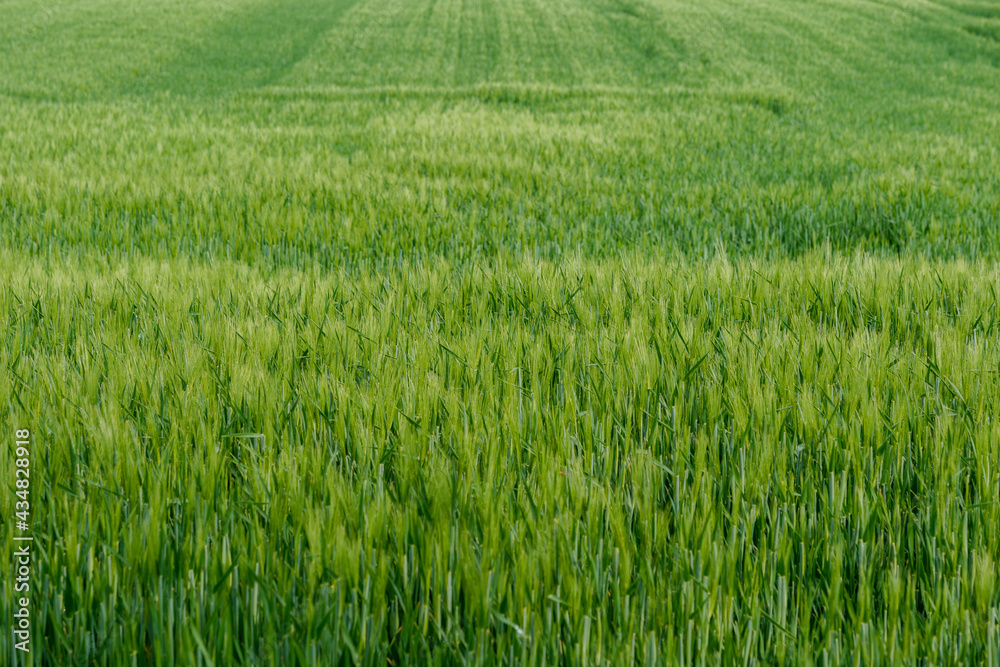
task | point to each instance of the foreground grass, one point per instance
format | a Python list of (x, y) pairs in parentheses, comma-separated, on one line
[(581, 462)]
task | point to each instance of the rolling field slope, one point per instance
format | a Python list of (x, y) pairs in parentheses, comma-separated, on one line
[(477, 332), (307, 131)]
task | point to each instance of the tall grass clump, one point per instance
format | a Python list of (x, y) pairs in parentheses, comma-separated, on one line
[(517, 461)]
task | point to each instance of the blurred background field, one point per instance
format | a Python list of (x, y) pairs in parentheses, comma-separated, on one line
[(338, 132), (530, 332)]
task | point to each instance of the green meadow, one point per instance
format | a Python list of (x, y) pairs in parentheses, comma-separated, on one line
[(543, 332)]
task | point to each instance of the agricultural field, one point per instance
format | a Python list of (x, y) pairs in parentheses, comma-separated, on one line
[(543, 332)]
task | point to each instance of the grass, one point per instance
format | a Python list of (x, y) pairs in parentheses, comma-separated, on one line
[(562, 332), (347, 137)]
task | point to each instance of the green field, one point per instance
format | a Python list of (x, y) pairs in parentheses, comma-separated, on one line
[(607, 332)]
